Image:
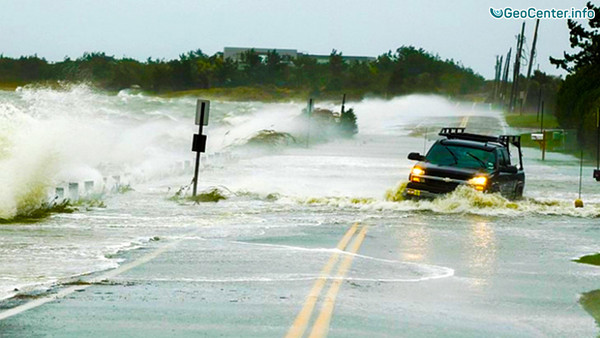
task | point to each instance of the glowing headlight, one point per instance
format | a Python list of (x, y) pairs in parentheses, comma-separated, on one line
[(478, 180), (417, 171)]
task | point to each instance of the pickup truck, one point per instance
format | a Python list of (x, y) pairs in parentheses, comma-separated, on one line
[(480, 161)]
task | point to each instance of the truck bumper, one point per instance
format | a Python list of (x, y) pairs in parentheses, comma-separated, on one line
[(413, 193)]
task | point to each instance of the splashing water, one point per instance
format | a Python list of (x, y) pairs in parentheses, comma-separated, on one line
[(464, 200), (74, 133)]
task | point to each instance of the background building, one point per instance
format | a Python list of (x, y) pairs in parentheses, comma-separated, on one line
[(235, 53)]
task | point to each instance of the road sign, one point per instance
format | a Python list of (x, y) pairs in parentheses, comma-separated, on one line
[(199, 143), (202, 109)]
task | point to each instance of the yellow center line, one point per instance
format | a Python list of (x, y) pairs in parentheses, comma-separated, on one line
[(299, 326), (464, 121), (321, 326)]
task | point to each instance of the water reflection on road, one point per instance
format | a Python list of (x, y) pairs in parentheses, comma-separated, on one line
[(481, 252)]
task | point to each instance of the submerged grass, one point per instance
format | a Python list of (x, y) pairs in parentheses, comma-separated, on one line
[(211, 195), (77, 282), (10, 86), (589, 259), (47, 209), (263, 94), (44, 211), (266, 94), (531, 121), (123, 189), (590, 301)]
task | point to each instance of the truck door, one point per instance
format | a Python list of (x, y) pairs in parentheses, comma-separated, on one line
[(507, 181)]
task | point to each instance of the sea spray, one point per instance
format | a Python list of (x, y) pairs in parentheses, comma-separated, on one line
[(25, 169), (68, 134)]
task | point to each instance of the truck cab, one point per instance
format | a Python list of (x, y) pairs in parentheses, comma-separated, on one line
[(480, 161)]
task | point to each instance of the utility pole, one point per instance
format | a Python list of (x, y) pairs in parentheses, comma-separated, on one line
[(497, 75), (531, 58), (343, 103), (543, 135), (537, 118), (597, 171), (505, 77), (517, 69)]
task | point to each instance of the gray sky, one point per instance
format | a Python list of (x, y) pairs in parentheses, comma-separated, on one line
[(462, 30)]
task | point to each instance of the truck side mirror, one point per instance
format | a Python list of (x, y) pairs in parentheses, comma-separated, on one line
[(511, 169), (416, 157)]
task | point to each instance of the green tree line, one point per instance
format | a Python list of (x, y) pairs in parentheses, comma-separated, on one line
[(578, 98), (407, 70)]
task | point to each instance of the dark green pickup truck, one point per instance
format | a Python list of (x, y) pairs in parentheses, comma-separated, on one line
[(460, 158)]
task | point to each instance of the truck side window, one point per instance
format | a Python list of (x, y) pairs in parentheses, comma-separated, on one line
[(503, 158)]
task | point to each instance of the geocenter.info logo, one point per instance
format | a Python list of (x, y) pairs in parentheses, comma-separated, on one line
[(534, 13)]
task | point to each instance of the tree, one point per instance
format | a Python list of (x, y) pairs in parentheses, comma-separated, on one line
[(274, 67), (407, 70), (348, 124), (579, 96), (252, 67), (336, 70), (587, 41)]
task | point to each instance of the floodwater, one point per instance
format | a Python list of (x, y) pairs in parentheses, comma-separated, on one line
[(466, 264)]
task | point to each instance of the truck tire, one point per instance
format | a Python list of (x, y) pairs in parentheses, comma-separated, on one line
[(519, 191)]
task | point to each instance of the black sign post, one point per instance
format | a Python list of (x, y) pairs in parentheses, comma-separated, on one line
[(309, 109), (199, 141)]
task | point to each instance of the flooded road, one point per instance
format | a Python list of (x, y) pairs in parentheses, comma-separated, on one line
[(269, 259)]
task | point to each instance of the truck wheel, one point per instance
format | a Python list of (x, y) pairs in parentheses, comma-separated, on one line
[(519, 192)]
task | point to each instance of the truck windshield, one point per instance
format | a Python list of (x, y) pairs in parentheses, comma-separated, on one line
[(461, 156)]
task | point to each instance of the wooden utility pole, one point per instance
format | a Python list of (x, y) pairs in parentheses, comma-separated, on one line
[(505, 78), (497, 76), (543, 135), (531, 58), (537, 118), (598, 139), (517, 69), (597, 171)]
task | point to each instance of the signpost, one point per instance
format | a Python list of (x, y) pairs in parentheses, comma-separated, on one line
[(543, 134), (309, 109), (199, 141)]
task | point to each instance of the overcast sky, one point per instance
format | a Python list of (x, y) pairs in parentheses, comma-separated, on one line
[(461, 30)]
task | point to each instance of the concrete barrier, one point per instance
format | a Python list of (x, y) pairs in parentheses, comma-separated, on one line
[(60, 193), (89, 187), (73, 191)]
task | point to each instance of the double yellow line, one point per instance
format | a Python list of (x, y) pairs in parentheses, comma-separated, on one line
[(464, 121), (321, 324)]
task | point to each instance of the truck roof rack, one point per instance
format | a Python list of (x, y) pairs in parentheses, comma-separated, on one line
[(459, 133), (505, 140), (515, 140)]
